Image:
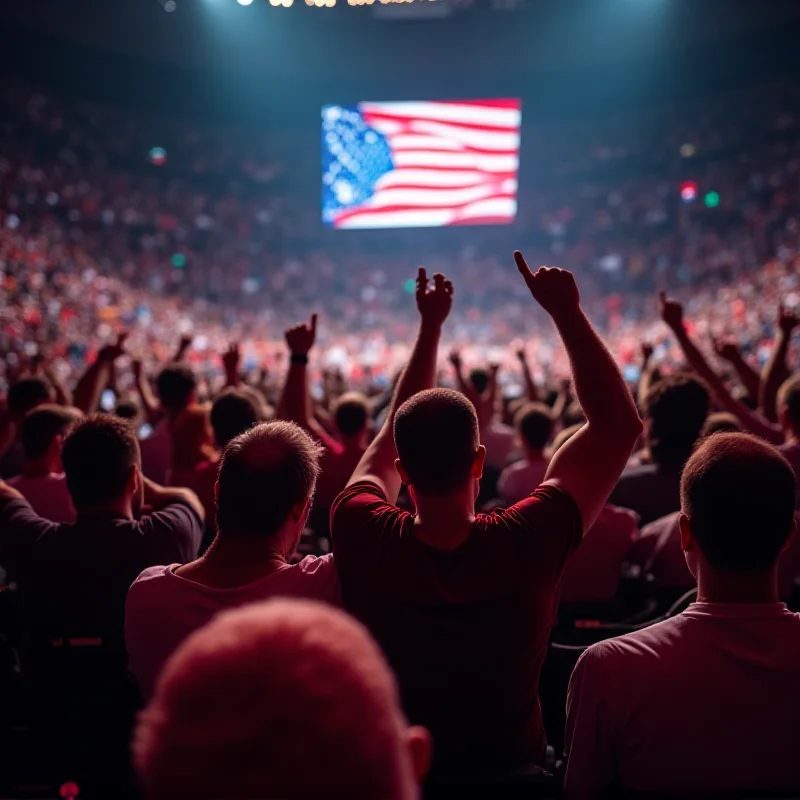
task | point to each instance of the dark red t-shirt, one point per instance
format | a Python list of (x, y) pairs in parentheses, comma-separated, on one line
[(466, 630)]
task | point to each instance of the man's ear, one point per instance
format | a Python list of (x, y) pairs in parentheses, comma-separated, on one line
[(685, 526), (790, 536), (420, 747), (216, 490), (401, 472), (298, 510), (477, 464)]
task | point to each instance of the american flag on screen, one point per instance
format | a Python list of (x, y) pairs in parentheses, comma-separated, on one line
[(423, 164)]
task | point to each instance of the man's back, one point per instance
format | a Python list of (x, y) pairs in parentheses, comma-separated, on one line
[(466, 629), (704, 702), (48, 495)]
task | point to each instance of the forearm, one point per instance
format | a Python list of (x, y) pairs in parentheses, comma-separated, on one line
[(599, 385), (773, 375), (420, 372), (753, 422), (90, 386), (159, 497), (295, 401), (531, 392), (748, 377), (149, 402)]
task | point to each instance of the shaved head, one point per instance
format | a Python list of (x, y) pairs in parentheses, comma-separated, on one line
[(281, 699)]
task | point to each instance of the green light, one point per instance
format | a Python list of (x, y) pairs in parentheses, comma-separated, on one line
[(711, 200), (179, 260), (410, 286)]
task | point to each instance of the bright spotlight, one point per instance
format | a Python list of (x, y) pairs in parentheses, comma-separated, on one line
[(170, 6), (245, 2)]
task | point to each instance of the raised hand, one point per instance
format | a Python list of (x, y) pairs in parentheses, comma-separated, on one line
[(111, 352), (230, 359), (455, 358), (136, 367), (726, 349), (300, 339), (434, 304), (787, 321), (647, 352), (671, 311), (552, 288)]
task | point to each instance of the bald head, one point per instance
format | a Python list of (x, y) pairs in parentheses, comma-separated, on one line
[(264, 474), (281, 699)]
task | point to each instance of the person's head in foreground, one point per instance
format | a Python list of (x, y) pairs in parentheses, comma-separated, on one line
[(43, 432), (534, 421), (438, 445), (351, 415), (103, 465), (281, 699), (789, 406), (266, 483), (675, 412), (737, 504)]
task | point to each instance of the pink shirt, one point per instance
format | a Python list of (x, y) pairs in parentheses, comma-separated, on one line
[(157, 453), (520, 479), (593, 571), (704, 702), (47, 495), (162, 608)]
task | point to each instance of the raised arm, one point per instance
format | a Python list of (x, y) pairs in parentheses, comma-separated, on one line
[(91, 384), (377, 464), (148, 399), (776, 369), (158, 497), (672, 314), (728, 350), (184, 344), (458, 367), (531, 392), (295, 402), (230, 362), (590, 463)]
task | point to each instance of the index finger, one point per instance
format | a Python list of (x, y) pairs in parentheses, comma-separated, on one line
[(662, 296), (314, 323), (422, 280), (522, 265)]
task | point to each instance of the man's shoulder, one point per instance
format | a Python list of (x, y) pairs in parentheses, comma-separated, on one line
[(659, 526), (648, 644)]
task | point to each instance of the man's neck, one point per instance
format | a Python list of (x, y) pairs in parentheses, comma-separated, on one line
[(533, 455), (716, 587), (445, 522), (236, 559)]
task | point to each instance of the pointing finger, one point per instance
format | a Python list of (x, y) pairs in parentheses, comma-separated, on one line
[(522, 265)]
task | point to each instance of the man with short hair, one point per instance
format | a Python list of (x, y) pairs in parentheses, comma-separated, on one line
[(280, 699), (264, 493), (43, 482), (534, 423), (462, 604), (176, 386), (675, 412), (705, 702), (234, 411), (74, 577), (23, 396)]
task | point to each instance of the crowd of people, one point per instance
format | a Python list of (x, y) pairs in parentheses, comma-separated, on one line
[(251, 557)]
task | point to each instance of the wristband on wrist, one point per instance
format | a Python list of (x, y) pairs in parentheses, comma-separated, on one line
[(299, 358)]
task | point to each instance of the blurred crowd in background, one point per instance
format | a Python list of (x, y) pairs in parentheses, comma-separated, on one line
[(112, 220)]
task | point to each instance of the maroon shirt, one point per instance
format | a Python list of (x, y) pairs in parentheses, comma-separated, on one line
[(466, 630)]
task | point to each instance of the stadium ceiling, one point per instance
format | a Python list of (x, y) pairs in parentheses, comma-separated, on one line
[(555, 32)]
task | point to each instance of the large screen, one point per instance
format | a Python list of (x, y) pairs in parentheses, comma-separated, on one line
[(425, 164)]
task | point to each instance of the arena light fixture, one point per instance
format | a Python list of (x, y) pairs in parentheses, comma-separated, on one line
[(245, 2)]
